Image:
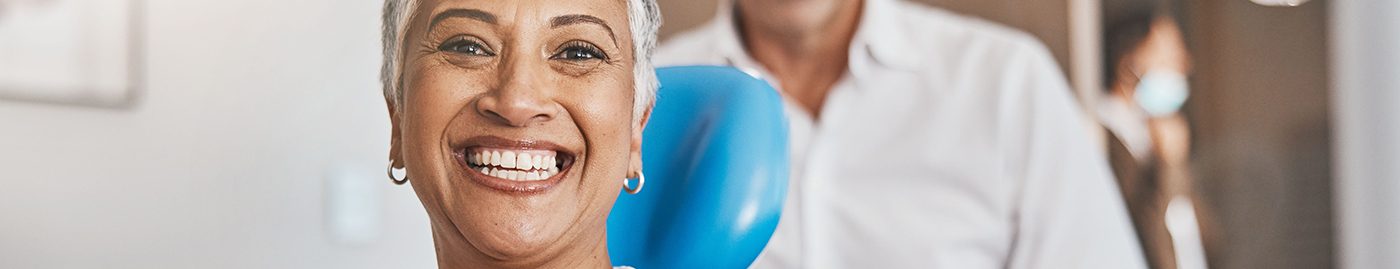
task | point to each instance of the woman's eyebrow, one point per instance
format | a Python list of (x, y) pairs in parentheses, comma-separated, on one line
[(475, 14), (571, 19)]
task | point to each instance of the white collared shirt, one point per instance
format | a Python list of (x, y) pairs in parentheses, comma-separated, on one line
[(949, 143)]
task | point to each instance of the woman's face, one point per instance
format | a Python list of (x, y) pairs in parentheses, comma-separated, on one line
[(516, 121), (1162, 49)]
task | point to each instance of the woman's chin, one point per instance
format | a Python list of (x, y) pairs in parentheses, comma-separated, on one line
[(510, 227), (521, 243)]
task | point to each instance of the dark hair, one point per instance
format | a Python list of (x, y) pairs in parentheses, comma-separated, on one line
[(1126, 25)]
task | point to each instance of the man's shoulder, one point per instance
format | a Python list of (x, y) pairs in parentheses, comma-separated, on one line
[(692, 46)]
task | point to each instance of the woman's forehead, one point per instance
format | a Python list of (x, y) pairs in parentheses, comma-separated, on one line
[(612, 11)]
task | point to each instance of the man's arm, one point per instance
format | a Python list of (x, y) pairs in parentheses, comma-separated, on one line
[(1070, 213)]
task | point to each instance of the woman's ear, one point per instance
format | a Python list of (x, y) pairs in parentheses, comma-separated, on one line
[(395, 138), (634, 166)]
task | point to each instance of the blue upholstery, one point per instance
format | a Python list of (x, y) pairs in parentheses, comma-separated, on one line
[(715, 157)]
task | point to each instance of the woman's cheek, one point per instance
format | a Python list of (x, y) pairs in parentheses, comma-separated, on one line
[(433, 97), (596, 104), (609, 95)]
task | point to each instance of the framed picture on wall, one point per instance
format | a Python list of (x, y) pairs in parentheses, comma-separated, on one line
[(82, 52)]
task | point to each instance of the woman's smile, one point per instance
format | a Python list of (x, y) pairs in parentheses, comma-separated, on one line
[(513, 165)]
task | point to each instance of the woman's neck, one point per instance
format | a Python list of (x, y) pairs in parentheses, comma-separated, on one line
[(453, 251)]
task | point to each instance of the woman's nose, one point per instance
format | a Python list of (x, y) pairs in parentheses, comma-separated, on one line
[(518, 103)]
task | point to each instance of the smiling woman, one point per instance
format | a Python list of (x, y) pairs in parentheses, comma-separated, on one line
[(518, 122)]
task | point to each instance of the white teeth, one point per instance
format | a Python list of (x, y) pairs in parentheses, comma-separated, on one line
[(524, 165), (524, 162), (519, 175), (508, 159)]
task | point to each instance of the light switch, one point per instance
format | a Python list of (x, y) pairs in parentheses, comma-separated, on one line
[(1280, 3)]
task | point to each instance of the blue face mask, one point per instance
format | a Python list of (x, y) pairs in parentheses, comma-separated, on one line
[(1161, 92)]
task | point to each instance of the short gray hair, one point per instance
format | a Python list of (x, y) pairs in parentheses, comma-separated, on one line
[(643, 17)]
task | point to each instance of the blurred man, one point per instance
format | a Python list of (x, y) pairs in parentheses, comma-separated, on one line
[(920, 139)]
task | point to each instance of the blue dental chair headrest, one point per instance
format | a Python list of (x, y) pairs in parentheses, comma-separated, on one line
[(715, 156)]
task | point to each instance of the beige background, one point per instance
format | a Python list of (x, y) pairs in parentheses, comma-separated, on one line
[(1260, 112)]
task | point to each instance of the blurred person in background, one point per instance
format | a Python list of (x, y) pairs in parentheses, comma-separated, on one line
[(1146, 66), (519, 122), (920, 139)]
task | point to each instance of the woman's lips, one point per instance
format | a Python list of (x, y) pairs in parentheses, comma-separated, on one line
[(513, 166)]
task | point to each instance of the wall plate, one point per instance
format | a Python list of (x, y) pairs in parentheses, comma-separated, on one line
[(82, 52)]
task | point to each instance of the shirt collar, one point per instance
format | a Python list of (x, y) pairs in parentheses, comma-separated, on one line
[(726, 36), (880, 35), (884, 37), (1128, 123)]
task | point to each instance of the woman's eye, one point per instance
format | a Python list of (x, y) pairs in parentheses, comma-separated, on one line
[(578, 51), (465, 46), (578, 54)]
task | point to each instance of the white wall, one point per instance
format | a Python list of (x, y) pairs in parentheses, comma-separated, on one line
[(1366, 56), (249, 106)]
